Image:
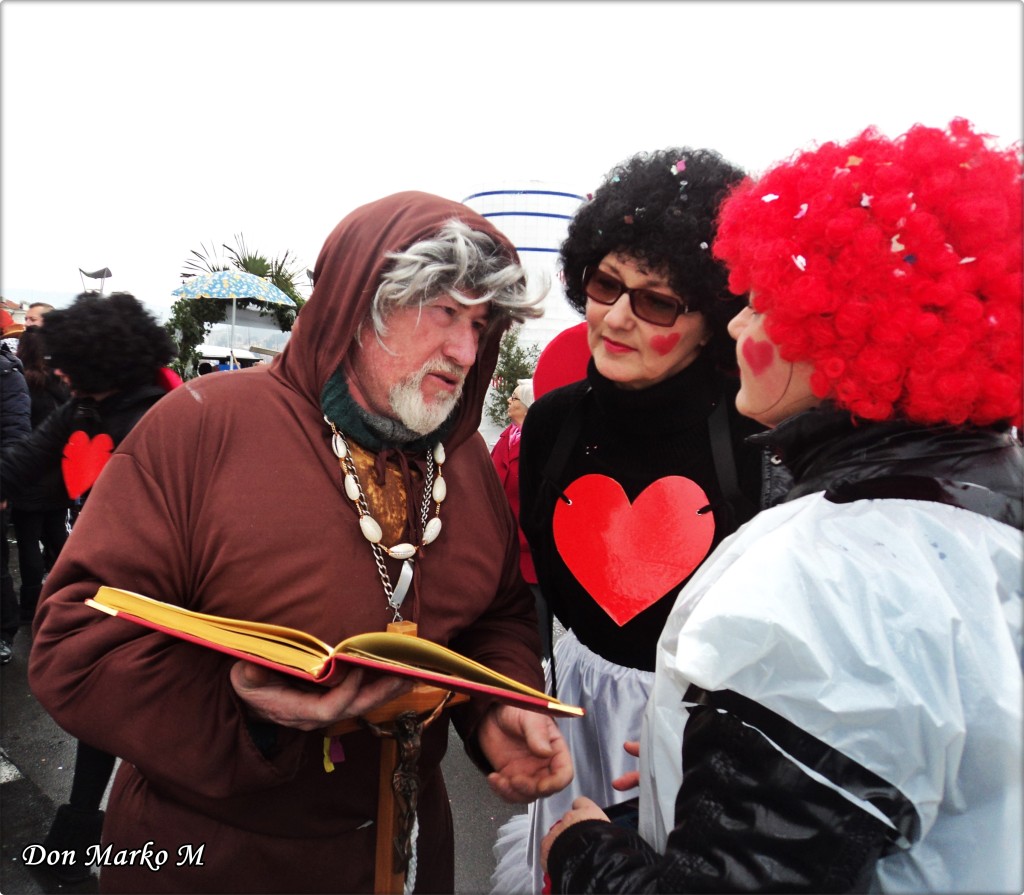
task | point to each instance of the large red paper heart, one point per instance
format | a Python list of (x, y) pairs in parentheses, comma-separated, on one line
[(627, 556), (84, 459)]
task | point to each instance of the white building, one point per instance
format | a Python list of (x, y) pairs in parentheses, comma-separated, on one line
[(535, 216)]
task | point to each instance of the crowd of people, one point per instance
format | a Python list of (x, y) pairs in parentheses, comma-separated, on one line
[(91, 373), (778, 522)]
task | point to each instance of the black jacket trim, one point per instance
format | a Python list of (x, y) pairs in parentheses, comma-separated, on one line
[(747, 818), (965, 495), (811, 752)]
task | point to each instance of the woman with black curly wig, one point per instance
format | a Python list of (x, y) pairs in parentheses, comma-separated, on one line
[(112, 353), (838, 696), (629, 478)]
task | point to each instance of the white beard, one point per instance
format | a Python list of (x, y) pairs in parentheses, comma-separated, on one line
[(413, 410)]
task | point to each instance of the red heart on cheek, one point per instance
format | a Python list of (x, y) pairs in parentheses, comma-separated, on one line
[(84, 459), (758, 355), (628, 556), (664, 344)]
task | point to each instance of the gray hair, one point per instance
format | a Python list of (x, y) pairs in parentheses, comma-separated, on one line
[(525, 389), (460, 262)]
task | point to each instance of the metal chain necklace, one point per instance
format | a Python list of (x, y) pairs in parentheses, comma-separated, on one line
[(434, 492)]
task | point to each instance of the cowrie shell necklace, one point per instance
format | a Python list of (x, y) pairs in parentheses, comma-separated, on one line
[(434, 492)]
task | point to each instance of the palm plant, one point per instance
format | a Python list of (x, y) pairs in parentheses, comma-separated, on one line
[(192, 319)]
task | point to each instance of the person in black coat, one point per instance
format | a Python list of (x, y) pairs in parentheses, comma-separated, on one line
[(109, 351), (15, 412), (41, 516)]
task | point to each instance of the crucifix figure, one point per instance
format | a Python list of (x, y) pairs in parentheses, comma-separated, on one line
[(406, 731), (399, 724)]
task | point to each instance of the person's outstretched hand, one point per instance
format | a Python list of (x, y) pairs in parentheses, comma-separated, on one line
[(631, 779), (527, 751)]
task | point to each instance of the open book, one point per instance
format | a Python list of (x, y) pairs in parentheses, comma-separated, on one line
[(294, 652)]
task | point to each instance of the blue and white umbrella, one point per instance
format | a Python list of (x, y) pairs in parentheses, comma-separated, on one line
[(233, 285)]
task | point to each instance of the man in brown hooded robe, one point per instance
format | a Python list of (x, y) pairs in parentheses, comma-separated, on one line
[(229, 497)]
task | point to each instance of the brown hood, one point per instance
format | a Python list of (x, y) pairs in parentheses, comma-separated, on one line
[(346, 276)]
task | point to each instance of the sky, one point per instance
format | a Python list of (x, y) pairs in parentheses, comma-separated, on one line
[(132, 133)]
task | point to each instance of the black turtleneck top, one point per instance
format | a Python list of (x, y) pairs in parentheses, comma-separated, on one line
[(634, 437)]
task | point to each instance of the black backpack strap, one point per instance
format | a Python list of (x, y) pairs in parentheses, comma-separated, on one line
[(552, 474), (724, 457), (567, 438)]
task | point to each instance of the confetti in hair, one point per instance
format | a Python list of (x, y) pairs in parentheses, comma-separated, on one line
[(924, 325)]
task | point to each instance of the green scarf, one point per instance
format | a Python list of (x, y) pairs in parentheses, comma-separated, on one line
[(371, 431)]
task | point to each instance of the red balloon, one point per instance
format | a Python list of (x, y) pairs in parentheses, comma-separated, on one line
[(564, 360)]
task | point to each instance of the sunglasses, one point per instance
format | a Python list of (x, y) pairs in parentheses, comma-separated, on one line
[(653, 307)]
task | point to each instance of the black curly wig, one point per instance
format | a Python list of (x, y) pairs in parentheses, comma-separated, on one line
[(659, 208), (105, 344)]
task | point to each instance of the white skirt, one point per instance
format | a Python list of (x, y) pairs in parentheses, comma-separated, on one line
[(614, 698)]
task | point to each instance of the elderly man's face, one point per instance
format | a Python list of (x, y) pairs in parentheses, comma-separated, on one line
[(418, 377)]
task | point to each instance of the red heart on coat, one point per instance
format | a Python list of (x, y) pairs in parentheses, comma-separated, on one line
[(627, 556), (84, 459)]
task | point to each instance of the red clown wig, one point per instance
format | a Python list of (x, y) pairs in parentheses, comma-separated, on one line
[(894, 267)]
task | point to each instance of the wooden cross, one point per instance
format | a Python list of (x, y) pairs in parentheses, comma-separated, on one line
[(399, 724)]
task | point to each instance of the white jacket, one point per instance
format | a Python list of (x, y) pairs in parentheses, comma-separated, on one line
[(891, 630)]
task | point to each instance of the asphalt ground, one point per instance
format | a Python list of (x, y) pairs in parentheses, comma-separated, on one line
[(37, 762)]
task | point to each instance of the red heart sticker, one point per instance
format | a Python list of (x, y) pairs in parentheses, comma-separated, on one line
[(84, 459), (627, 556)]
